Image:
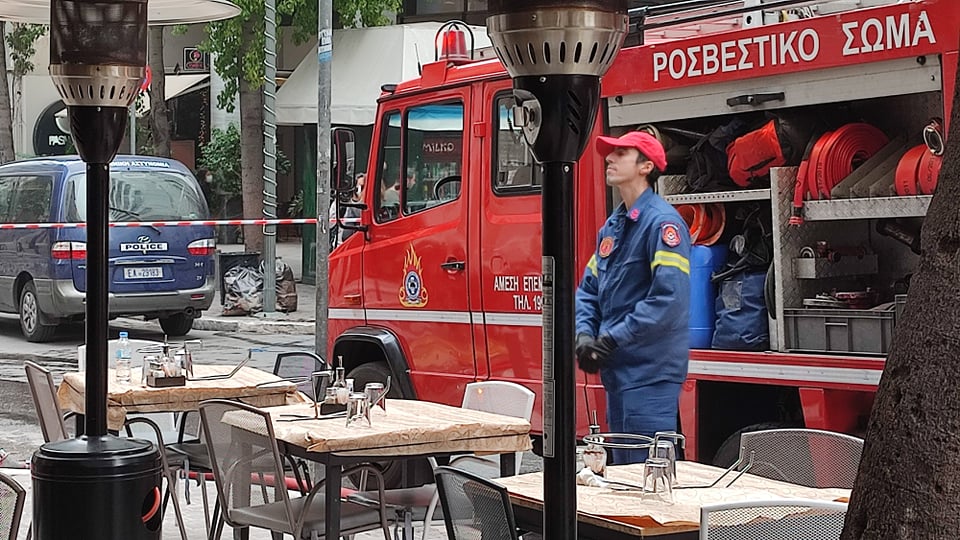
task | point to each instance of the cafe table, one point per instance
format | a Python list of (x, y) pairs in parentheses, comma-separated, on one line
[(608, 514), (249, 385), (407, 429)]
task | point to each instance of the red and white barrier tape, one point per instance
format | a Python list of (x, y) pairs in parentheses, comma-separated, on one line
[(204, 223)]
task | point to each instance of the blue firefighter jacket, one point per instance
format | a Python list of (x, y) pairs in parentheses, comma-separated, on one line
[(636, 289)]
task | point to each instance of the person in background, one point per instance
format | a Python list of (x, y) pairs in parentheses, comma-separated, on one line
[(633, 304), (351, 214), (205, 179)]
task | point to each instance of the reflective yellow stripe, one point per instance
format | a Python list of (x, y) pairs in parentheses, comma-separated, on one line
[(592, 265), (669, 258)]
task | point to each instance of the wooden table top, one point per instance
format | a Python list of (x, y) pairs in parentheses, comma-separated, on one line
[(132, 397), (628, 512), (407, 428)]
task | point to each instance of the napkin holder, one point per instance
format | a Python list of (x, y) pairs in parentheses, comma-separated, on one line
[(332, 408), (166, 381)]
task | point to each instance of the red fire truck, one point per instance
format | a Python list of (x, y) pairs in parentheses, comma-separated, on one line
[(441, 286)]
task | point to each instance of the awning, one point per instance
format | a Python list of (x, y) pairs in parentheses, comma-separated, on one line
[(174, 86), (364, 59)]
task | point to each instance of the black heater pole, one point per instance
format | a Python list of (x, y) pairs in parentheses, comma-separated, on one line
[(98, 191), (559, 375), (97, 132), (556, 52)]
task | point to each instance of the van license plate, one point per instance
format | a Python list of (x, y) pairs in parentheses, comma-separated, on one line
[(143, 273)]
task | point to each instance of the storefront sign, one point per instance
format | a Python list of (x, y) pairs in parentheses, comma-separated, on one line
[(194, 60), (49, 139)]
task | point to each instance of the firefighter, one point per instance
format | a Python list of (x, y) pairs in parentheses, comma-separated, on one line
[(632, 306)]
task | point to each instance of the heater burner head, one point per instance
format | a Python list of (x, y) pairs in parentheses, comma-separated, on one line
[(558, 40), (98, 51), (97, 86)]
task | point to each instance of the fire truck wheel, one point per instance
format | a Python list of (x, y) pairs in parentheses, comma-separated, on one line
[(727, 453), (378, 372)]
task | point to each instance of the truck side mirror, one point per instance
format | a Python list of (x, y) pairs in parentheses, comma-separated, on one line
[(343, 177)]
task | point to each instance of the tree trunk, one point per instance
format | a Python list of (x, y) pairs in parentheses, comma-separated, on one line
[(6, 111), (159, 114), (908, 485), (251, 157)]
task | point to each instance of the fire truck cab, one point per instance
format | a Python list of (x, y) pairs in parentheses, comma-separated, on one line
[(441, 285)]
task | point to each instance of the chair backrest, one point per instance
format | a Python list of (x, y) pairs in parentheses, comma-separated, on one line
[(44, 392), (474, 507), (500, 397), (785, 519), (135, 345), (239, 447), (300, 364), (12, 496), (809, 457)]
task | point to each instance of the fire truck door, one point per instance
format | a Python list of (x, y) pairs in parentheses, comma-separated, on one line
[(510, 266), (415, 261)]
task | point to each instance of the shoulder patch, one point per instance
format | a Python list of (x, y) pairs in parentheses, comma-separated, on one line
[(670, 234), (606, 246)]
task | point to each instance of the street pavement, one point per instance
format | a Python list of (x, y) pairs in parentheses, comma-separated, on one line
[(301, 321)]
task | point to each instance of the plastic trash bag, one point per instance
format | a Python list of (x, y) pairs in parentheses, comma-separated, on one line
[(244, 291), (286, 288)]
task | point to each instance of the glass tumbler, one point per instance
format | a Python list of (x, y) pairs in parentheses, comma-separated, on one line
[(656, 480)]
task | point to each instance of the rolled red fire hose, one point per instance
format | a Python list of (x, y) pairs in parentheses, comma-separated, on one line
[(832, 158), (705, 221)]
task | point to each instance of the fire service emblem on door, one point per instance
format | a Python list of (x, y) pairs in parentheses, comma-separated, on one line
[(412, 292)]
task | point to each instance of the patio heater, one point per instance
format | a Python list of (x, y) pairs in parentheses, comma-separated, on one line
[(556, 52), (98, 485)]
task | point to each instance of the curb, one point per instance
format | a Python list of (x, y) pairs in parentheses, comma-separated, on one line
[(255, 326)]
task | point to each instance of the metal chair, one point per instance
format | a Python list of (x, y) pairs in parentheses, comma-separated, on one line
[(249, 458), (787, 519), (808, 457), (299, 365), (499, 397), (44, 393), (474, 507), (12, 497)]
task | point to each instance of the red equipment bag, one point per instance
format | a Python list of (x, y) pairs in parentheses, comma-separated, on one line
[(752, 155)]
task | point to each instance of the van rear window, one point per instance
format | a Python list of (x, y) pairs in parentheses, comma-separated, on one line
[(141, 196)]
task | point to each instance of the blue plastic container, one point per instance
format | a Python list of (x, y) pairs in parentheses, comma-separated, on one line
[(704, 260)]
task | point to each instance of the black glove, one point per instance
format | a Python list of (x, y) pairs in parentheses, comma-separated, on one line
[(597, 353), (584, 348)]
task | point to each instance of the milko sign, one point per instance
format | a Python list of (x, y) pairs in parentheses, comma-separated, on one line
[(872, 35), (441, 148)]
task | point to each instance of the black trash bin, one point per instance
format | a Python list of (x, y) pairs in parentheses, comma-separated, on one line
[(226, 261), (104, 487)]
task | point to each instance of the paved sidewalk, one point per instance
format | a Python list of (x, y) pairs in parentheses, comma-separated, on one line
[(301, 321)]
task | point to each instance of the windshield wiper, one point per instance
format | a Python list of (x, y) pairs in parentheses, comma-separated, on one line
[(130, 213)]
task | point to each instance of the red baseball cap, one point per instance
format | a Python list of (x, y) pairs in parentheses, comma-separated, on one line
[(647, 144)]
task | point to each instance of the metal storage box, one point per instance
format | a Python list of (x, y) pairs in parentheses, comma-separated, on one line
[(858, 331)]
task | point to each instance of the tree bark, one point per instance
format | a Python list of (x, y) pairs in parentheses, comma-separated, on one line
[(908, 485), (159, 114), (7, 152), (251, 157)]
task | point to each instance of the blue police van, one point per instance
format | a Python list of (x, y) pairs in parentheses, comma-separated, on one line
[(159, 272)]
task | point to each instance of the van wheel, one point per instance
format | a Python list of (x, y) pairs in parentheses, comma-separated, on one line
[(30, 319), (176, 325)]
